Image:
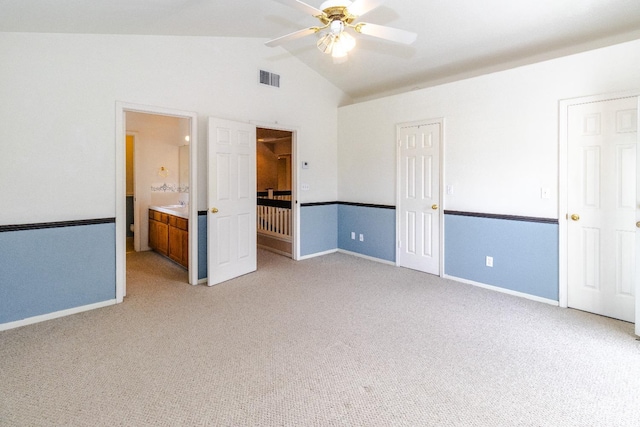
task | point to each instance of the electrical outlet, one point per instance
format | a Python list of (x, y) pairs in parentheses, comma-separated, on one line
[(361, 237), (489, 261), (305, 187), (353, 235)]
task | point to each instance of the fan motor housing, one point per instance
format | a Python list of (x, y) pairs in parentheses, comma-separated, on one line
[(336, 13)]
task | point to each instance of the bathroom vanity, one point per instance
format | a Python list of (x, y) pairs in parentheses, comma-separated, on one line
[(169, 232)]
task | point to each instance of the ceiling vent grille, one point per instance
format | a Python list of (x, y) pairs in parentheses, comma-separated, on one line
[(270, 79)]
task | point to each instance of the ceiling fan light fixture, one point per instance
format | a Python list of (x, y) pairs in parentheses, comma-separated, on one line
[(326, 42), (336, 18), (336, 27), (338, 51), (346, 40)]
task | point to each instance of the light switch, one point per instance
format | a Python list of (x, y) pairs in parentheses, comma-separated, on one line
[(545, 193)]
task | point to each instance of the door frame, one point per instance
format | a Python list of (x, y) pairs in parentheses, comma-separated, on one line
[(120, 206), (563, 193), (295, 171), (136, 214), (440, 121)]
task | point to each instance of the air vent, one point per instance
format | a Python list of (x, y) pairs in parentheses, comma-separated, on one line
[(271, 79)]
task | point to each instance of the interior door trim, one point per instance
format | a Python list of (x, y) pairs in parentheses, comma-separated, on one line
[(120, 191)]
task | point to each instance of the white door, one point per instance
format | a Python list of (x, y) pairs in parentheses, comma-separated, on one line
[(418, 215), (231, 217), (602, 207)]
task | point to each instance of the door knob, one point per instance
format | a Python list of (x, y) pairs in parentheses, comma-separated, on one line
[(638, 224), (214, 210), (434, 207), (575, 217)]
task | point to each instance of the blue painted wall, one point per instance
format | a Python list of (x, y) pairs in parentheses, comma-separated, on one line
[(47, 270), (525, 254), (378, 225), (202, 246), (318, 229)]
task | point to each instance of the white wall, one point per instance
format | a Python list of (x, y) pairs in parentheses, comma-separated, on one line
[(58, 91), (501, 132)]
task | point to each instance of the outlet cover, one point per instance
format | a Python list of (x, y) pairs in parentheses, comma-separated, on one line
[(353, 235), (489, 261), (361, 237)]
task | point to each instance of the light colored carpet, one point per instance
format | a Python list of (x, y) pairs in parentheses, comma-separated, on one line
[(329, 341)]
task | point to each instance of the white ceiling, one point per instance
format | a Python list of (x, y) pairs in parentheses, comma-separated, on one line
[(456, 38)]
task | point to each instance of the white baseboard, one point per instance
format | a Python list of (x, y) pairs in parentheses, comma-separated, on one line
[(503, 290), (317, 254), (370, 258), (55, 315)]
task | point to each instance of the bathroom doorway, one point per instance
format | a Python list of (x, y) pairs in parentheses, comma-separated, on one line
[(156, 168), (275, 198)]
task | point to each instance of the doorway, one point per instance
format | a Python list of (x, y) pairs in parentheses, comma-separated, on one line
[(159, 179), (274, 152), (599, 198)]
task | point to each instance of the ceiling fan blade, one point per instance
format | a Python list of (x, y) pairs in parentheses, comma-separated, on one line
[(360, 7), (292, 36), (387, 33), (302, 6)]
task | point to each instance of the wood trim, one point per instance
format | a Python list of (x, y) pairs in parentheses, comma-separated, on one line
[(364, 205), (274, 203), (57, 224), (506, 217)]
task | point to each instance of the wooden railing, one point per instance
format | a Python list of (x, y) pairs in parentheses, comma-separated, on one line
[(274, 214)]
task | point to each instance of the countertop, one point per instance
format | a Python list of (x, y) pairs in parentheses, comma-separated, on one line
[(176, 210)]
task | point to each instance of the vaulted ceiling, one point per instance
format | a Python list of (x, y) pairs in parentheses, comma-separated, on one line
[(456, 38)]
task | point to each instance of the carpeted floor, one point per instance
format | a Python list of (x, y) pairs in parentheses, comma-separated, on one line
[(329, 341)]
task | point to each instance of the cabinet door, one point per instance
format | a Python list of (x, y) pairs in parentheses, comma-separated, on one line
[(153, 234), (175, 244), (163, 238), (185, 249)]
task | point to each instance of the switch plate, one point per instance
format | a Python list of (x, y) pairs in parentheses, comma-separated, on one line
[(305, 187), (545, 193), (489, 261), (361, 237), (449, 189), (353, 235)]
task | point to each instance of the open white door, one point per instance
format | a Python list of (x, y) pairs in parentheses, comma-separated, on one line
[(602, 207), (231, 217)]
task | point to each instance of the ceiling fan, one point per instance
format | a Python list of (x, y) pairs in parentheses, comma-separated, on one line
[(336, 16)]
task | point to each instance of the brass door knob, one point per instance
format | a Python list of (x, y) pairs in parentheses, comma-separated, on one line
[(214, 210), (434, 207), (575, 217), (638, 224)]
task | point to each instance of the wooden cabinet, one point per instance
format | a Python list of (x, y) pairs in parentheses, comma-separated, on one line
[(179, 240), (169, 236)]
